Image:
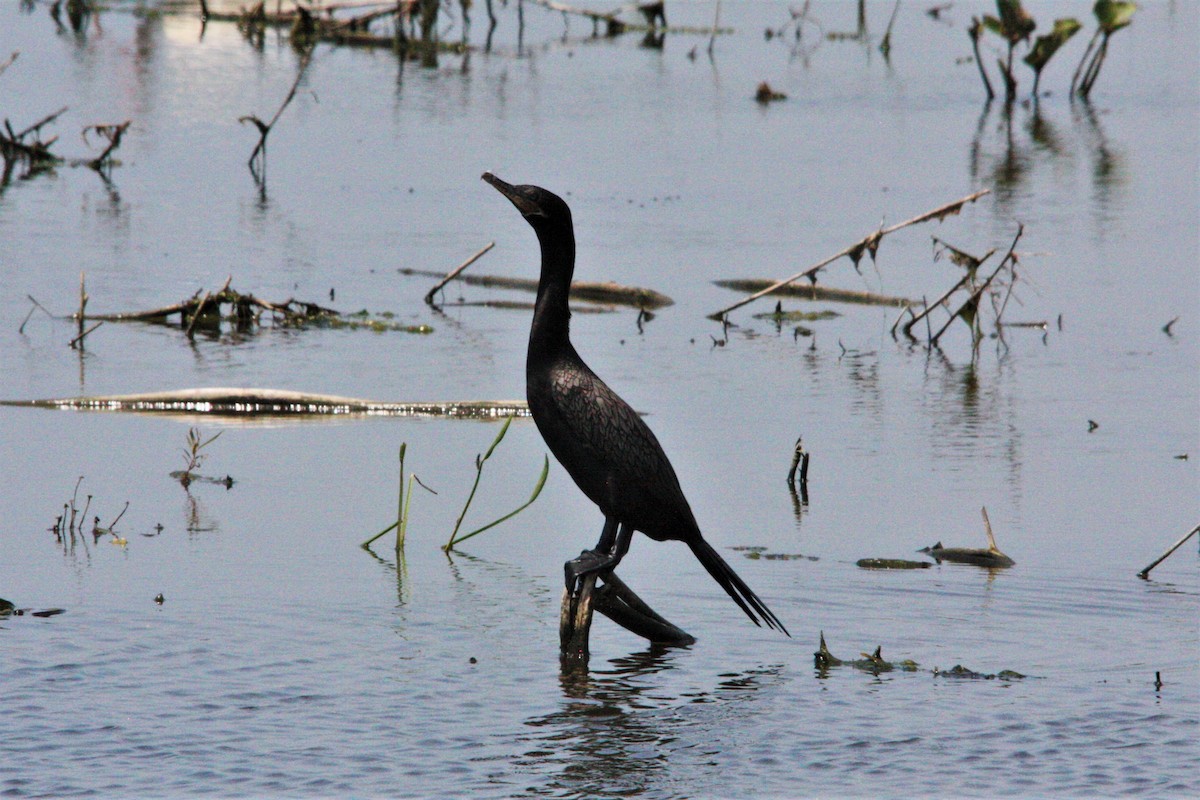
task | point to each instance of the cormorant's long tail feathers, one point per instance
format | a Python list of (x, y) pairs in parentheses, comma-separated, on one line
[(742, 594)]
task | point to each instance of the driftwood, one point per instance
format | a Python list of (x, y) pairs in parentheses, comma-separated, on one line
[(241, 402), (989, 557), (606, 292), (815, 292), (454, 273), (1145, 574), (618, 602), (868, 244), (311, 23), (204, 309)]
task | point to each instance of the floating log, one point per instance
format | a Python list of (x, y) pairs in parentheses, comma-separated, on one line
[(605, 292), (242, 402), (891, 563), (816, 292)]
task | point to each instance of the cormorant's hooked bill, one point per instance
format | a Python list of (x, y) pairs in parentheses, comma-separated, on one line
[(525, 198)]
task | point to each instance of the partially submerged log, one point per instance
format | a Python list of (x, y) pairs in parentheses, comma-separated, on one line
[(816, 291), (606, 292), (980, 557), (243, 402)]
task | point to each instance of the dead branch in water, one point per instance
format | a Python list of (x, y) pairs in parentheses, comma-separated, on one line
[(817, 292), (8, 61), (245, 310), (605, 292), (452, 274), (35, 154), (868, 244), (111, 133), (970, 306), (220, 401), (264, 128), (1145, 574)]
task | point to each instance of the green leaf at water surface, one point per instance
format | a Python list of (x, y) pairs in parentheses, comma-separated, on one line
[(1113, 14), (1014, 22), (1044, 47)]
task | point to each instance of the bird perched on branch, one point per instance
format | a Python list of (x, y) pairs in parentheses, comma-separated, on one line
[(599, 439)]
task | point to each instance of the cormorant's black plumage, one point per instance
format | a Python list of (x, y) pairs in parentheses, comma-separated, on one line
[(598, 438)]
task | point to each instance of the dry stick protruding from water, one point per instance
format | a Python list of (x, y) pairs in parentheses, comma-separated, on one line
[(8, 61), (1145, 573), (929, 308), (81, 317), (264, 128), (191, 326), (869, 243), (452, 274), (113, 134), (973, 300)]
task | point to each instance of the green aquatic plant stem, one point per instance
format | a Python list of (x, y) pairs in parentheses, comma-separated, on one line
[(400, 507), (402, 503), (537, 490), (479, 462)]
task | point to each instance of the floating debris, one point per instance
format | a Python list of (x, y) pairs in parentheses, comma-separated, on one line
[(872, 662), (959, 671), (816, 291), (891, 563), (221, 401), (989, 557), (765, 94), (603, 292)]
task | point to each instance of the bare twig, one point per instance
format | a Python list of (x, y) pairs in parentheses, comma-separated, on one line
[(975, 295), (1146, 572), (200, 307), (113, 134), (264, 128), (870, 243), (454, 272), (8, 62), (917, 318), (78, 340), (716, 24)]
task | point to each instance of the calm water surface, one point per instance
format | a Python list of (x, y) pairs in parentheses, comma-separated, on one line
[(285, 661)]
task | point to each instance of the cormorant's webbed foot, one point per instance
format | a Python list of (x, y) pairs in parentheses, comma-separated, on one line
[(590, 562)]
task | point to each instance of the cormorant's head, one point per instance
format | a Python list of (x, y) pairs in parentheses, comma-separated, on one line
[(541, 208)]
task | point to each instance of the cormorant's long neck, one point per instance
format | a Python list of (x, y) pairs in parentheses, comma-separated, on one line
[(551, 314)]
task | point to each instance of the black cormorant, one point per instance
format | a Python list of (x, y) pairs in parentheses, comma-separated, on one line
[(601, 441)]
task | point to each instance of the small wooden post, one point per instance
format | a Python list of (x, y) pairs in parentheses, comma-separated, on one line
[(615, 600)]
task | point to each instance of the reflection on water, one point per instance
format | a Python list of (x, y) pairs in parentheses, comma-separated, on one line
[(1011, 142), (616, 729)]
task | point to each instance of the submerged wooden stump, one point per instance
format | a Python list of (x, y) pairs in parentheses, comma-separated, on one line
[(615, 600)]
